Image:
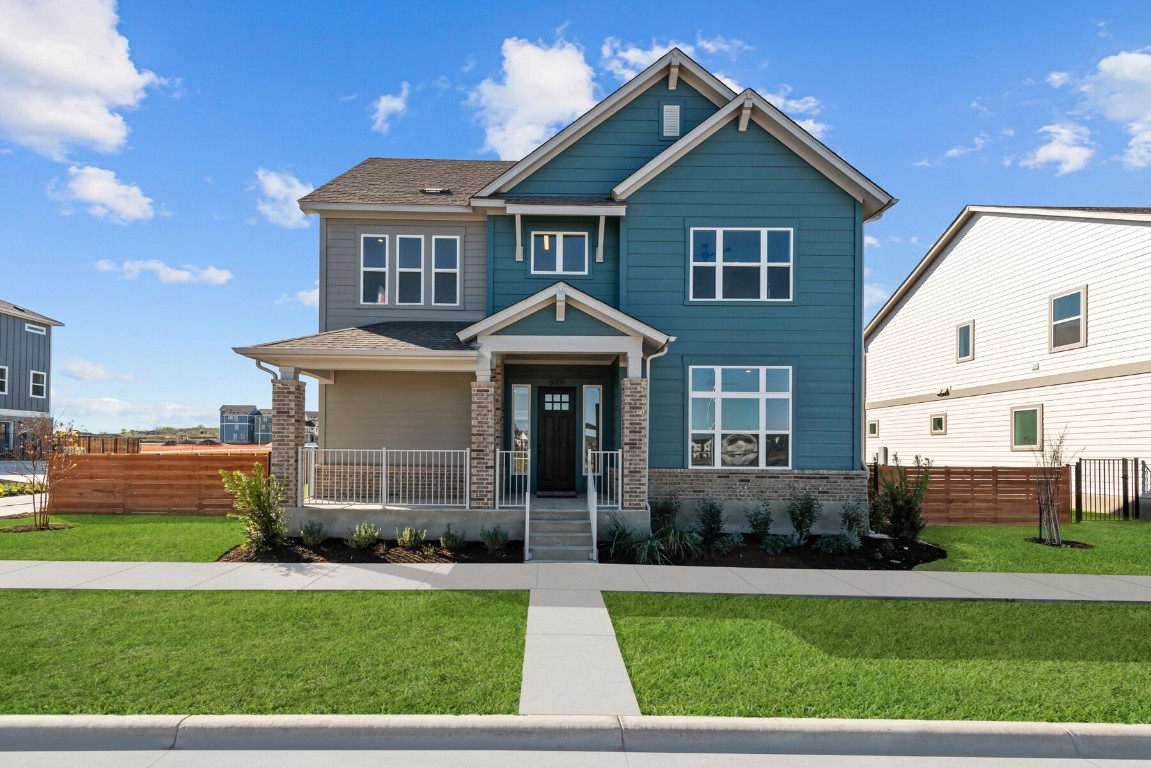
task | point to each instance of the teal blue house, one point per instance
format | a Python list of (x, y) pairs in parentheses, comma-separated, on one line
[(665, 297)]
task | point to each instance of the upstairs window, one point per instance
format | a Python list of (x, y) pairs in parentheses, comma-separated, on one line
[(1068, 320), (410, 269), (374, 269), (39, 382), (964, 342), (559, 253), (3, 379), (740, 417), (446, 271), (741, 264)]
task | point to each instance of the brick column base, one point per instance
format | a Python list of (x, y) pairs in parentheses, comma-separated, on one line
[(483, 457), (287, 434), (634, 443)]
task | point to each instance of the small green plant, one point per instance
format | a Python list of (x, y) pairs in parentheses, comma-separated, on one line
[(899, 503), (711, 528), (313, 533), (804, 511), (759, 520), (494, 538), (851, 530), (410, 538), (256, 496), (620, 536), (453, 541), (678, 543), (363, 536), (776, 545)]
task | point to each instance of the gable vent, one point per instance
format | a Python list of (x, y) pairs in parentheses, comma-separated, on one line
[(435, 190), (670, 124)]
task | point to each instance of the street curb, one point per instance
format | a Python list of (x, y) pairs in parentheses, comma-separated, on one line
[(586, 733)]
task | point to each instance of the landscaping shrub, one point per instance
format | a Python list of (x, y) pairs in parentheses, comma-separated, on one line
[(452, 540), (899, 503), (19, 489), (851, 530), (677, 542), (410, 538), (620, 536), (494, 538), (257, 499), (711, 527), (804, 510), (776, 545), (363, 536), (313, 533), (759, 521)]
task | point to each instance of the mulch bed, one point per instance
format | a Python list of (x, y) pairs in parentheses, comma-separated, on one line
[(1065, 545), (336, 551), (30, 528), (876, 554)]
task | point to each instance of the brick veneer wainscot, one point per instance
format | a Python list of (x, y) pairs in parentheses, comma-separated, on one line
[(287, 434)]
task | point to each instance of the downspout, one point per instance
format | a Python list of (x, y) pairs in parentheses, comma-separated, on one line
[(269, 371), (662, 351)]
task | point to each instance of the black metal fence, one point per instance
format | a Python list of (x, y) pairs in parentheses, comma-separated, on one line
[(1110, 489)]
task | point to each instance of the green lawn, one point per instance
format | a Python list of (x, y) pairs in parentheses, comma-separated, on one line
[(794, 657), (71, 652), (166, 538), (1120, 547)]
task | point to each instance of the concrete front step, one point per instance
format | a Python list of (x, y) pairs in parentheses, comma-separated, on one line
[(554, 553), (565, 539), (560, 514), (561, 526)]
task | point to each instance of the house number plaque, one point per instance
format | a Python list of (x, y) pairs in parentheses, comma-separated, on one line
[(557, 382)]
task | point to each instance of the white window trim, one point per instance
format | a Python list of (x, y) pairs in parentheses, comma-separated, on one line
[(763, 264), (931, 424), (583, 422), (1081, 317), (1038, 408), (384, 269), (32, 384), (761, 396), (37, 329), (437, 271), (873, 432), (970, 341), (410, 270), (3, 379), (560, 252)]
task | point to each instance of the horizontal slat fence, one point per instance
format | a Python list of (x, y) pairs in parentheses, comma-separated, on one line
[(88, 444), (149, 482), (982, 495)]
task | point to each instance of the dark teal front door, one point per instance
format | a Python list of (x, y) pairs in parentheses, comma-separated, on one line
[(555, 447)]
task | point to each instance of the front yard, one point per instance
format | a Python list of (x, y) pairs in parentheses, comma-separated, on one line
[(1118, 547), (795, 657), (167, 538), (73, 652)]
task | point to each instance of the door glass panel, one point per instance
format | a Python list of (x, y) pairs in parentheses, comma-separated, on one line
[(521, 417), (592, 406)]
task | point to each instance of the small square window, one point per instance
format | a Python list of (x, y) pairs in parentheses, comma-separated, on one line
[(965, 342), (873, 429), (1027, 428), (939, 423)]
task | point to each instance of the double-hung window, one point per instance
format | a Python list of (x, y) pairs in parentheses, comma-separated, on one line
[(39, 384), (374, 269), (409, 269), (740, 416), (445, 270), (1069, 320), (559, 253), (741, 264)]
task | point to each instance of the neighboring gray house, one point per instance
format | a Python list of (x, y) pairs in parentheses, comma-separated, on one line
[(25, 368), (262, 427), (238, 423)]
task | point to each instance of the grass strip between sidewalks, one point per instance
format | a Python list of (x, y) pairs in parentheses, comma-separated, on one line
[(939, 660), (1119, 547), (116, 652), (164, 538)]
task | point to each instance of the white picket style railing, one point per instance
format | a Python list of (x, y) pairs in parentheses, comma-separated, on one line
[(603, 472), (384, 477)]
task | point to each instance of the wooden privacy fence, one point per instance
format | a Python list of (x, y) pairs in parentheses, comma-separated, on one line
[(88, 444), (982, 495), (150, 482)]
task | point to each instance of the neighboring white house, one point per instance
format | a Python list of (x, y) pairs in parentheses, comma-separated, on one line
[(1018, 323)]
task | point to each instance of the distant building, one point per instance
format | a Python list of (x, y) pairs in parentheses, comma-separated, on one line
[(238, 423), (262, 427), (25, 369), (311, 426)]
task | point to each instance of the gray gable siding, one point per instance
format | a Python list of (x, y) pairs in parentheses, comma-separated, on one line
[(544, 323), (751, 179), (23, 352), (340, 271), (618, 146)]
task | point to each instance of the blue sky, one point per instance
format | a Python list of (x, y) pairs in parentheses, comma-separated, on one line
[(150, 152)]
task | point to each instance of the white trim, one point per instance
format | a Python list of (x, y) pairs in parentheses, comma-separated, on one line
[(959, 356), (699, 78), (717, 430), (763, 265), (1038, 408), (870, 424), (566, 210), (3, 379), (1081, 317), (438, 271), (387, 277), (931, 424), (599, 310), (599, 242), (409, 271), (27, 314), (560, 237), (37, 329), (32, 384), (874, 199), (630, 346)]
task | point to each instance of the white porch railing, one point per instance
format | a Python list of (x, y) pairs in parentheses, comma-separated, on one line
[(513, 488), (603, 473), (384, 477), (593, 515)]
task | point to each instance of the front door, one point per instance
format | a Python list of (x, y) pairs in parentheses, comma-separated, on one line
[(555, 447)]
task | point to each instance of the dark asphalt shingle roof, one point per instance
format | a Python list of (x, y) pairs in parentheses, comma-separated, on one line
[(9, 308), (393, 336), (237, 409), (397, 181)]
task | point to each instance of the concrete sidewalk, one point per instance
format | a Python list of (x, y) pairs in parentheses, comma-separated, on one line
[(931, 585)]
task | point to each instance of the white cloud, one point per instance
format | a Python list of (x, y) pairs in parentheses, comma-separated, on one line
[(1058, 79), (719, 44), (1069, 146), (66, 76), (1007, 132), (979, 106), (279, 192), (112, 412), (1120, 90), (543, 87), (627, 61), (978, 143), (386, 107), (806, 105), (86, 370), (130, 270), (105, 196), (307, 298), (870, 241), (814, 127), (873, 293)]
